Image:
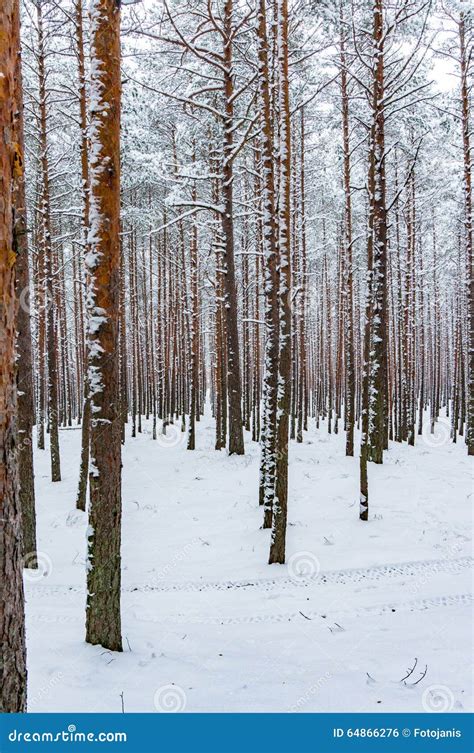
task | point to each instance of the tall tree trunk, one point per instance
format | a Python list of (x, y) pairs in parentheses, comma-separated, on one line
[(194, 332), (234, 388), (378, 227), (347, 266), (48, 258), (302, 309), (410, 311), (365, 396), (268, 458), (86, 412), (103, 261), (12, 613), (467, 185), (40, 298), (278, 540), (26, 409)]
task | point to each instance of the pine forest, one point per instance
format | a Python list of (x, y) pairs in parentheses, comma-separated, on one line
[(236, 355)]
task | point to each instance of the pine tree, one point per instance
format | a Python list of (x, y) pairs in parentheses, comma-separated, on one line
[(48, 271), (466, 51), (268, 460), (280, 505), (23, 323), (103, 623), (86, 412), (12, 617)]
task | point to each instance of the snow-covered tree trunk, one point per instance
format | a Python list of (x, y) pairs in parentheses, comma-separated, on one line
[(47, 253), (349, 402), (280, 504), (326, 299), (302, 407), (410, 312), (256, 376), (378, 229), (246, 355), (86, 412), (365, 393), (374, 373), (103, 624), (194, 406), (220, 325), (421, 347), (234, 389), (123, 351), (271, 279), (465, 62)]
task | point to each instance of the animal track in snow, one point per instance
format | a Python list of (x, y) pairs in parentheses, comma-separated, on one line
[(376, 609), (352, 575)]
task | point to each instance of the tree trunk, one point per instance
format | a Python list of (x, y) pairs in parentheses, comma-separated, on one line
[(348, 271), (48, 259), (234, 389), (271, 283), (194, 333), (378, 226), (12, 616), (278, 540), (467, 185), (103, 261), (86, 412), (26, 409)]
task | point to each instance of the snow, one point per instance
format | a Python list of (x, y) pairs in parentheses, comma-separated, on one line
[(209, 626)]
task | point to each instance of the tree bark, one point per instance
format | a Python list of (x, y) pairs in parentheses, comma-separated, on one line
[(378, 226), (103, 624), (49, 302), (468, 226), (234, 387), (12, 616), (278, 540), (86, 412), (268, 458), (194, 332), (25, 393), (348, 271)]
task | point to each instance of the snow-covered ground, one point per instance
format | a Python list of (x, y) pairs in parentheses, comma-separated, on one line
[(209, 626)]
